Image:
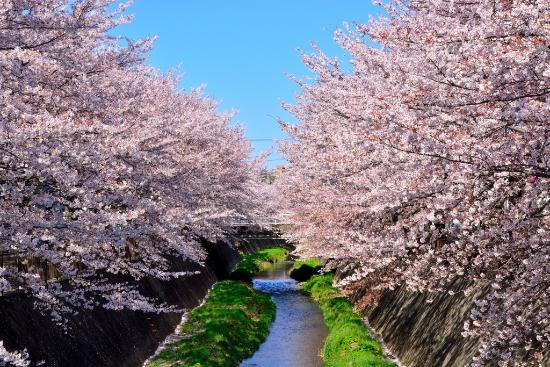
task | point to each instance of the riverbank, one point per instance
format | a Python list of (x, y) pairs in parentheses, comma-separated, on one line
[(230, 325), (349, 343), (257, 261), (232, 322), (304, 269)]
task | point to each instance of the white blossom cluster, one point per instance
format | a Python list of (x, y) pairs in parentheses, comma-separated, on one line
[(17, 359)]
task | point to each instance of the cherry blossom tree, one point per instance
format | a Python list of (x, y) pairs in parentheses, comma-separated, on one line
[(18, 359), (107, 169), (429, 160)]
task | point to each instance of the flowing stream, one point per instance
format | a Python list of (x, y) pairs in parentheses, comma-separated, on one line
[(298, 332)]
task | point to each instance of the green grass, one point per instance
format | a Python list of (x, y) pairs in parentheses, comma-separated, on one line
[(252, 263), (303, 270), (227, 328), (312, 263), (349, 343)]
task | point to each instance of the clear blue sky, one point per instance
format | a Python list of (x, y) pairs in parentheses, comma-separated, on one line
[(243, 50)]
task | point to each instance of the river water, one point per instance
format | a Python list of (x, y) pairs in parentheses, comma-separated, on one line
[(298, 332)]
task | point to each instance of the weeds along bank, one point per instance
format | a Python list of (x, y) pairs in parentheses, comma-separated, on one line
[(418, 328), (254, 262), (229, 327), (349, 343), (302, 270), (232, 322)]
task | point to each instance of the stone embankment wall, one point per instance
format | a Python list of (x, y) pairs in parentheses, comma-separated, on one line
[(425, 334), (423, 330), (104, 338)]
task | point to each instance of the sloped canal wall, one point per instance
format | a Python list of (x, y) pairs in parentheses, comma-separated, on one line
[(423, 330), (425, 334), (108, 338)]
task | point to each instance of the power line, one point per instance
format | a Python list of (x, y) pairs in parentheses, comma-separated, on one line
[(269, 139)]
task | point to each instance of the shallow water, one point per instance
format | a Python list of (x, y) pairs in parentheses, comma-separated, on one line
[(298, 332)]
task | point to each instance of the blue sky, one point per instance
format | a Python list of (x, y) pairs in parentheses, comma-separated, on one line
[(243, 50)]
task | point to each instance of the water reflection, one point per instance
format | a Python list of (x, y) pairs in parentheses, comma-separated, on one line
[(298, 332)]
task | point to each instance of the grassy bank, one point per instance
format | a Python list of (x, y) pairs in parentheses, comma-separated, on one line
[(349, 343), (312, 263), (252, 263), (227, 328), (303, 270)]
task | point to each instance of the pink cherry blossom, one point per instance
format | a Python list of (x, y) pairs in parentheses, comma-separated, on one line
[(107, 169), (429, 160)]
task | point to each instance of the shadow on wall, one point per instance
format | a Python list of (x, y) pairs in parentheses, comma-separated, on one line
[(424, 334), (107, 338)]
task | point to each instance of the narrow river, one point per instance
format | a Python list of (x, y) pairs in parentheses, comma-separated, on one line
[(298, 332)]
